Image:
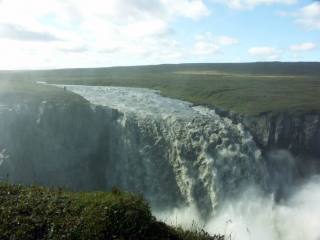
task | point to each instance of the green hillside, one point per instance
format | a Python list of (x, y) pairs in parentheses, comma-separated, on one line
[(249, 88)]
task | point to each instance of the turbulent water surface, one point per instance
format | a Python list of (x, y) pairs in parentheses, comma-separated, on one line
[(201, 166), (209, 156)]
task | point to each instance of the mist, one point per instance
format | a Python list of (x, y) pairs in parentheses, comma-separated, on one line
[(256, 215)]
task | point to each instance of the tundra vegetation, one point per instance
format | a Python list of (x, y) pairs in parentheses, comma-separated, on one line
[(36, 213), (249, 88)]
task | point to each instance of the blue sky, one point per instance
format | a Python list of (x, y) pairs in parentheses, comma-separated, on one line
[(38, 34)]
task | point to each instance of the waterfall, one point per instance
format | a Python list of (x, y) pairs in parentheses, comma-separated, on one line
[(190, 163), (173, 152)]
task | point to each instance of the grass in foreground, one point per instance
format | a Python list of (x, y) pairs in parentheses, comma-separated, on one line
[(34, 213)]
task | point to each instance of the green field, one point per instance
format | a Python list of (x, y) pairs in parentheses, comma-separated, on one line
[(249, 88)]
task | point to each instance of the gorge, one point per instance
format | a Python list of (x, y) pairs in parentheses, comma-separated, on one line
[(190, 161)]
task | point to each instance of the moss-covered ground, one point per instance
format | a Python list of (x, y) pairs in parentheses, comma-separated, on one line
[(37, 213)]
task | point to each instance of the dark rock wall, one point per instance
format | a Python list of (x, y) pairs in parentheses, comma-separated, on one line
[(54, 144), (296, 132), (80, 147)]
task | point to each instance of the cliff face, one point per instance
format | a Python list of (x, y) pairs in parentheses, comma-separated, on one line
[(81, 147), (54, 144), (297, 132)]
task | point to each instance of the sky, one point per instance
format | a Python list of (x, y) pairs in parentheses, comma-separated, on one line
[(46, 34)]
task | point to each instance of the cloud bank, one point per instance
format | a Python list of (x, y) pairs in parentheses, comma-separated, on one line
[(250, 4), (92, 33)]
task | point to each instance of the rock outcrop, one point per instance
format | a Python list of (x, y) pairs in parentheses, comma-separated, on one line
[(293, 131), (296, 131)]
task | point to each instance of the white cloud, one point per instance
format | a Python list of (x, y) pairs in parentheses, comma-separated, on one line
[(309, 16), (78, 49), (264, 53), (208, 44), (308, 46), (226, 40), (16, 32), (250, 4), (194, 9), (93, 31), (205, 48)]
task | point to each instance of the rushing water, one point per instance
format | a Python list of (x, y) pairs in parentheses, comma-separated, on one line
[(200, 166), (209, 156)]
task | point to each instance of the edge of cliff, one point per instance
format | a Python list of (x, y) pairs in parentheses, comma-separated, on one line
[(41, 213)]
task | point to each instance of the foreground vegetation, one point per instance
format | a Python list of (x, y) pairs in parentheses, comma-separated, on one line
[(249, 88), (34, 213)]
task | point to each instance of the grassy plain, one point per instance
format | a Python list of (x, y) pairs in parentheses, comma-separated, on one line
[(249, 88)]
